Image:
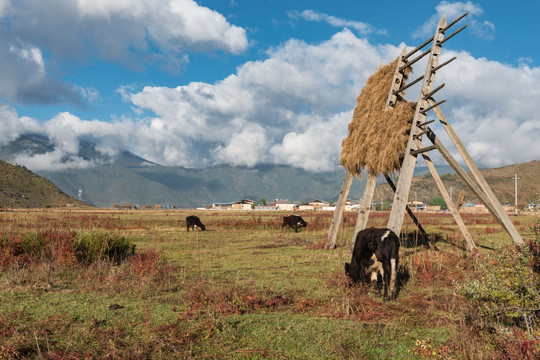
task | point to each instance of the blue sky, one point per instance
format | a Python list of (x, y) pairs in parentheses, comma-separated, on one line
[(195, 84)]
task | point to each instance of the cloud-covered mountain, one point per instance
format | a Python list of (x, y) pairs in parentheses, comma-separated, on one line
[(125, 177)]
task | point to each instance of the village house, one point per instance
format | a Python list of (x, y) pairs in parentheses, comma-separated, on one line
[(313, 205), (284, 205), (244, 204), (221, 206), (533, 206), (265, 207), (416, 205), (352, 205), (473, 208)]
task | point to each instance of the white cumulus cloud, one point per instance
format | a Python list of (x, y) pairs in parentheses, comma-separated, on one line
[(294, 106), (131, 33)]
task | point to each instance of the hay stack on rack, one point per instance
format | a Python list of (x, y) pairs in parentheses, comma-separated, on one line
[(386, 136), (377, 137)]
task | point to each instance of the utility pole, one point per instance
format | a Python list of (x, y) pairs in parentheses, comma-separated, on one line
[(515, 192)]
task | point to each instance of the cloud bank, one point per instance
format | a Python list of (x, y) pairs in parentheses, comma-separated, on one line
[(294, 107), (291, 107)]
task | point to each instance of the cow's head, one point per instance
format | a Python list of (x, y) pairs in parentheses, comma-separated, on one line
[(301, 222), (352, 271), (202, 227)]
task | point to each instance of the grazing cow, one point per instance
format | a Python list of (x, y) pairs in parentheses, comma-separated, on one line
[(375, 251), (192, 221), (294, 222)]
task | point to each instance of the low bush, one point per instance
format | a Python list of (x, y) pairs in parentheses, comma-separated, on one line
[(63, 248), (505, 290), (94, 246)]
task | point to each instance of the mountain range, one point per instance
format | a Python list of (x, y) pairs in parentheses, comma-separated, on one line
[(128, 178)]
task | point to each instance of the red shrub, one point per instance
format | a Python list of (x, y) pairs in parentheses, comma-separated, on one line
[(144, 264)]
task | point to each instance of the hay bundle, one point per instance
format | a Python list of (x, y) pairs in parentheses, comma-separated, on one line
[(377, 137)]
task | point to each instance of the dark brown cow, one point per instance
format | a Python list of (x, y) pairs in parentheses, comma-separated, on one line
[(294, 222), (192, 221)]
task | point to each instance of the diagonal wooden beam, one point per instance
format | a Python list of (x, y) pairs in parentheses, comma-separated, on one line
[(491, 198), (453, 210), (490, 202)]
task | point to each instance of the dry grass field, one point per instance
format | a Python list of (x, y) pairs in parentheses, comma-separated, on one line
[(88, 284)]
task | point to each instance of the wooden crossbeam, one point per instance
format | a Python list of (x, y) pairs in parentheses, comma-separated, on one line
[(417, 49), (430, 94), (416, 59), (444, 64), (425, 111), (454, 22), (454, 34), (422, 150), (417, 80), (421, 125)]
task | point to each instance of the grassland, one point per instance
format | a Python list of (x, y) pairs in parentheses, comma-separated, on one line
[(244, 289)]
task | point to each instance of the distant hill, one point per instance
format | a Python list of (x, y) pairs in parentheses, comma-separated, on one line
[(21, 188), (500, 179)]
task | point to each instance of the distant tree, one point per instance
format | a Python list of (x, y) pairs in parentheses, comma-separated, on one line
[(331, 203), (262, 202), (446, 177), (386, 206), (438, 201)]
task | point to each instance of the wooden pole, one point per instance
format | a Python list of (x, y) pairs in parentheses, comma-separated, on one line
[(395, 222), (410, 212), (365, 206), (338, 213)]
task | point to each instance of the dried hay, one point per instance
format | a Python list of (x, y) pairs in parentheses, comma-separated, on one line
[(377, 137)]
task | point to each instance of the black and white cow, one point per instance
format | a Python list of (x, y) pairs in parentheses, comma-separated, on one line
[(192, 221), (375, 251), (294, 222)]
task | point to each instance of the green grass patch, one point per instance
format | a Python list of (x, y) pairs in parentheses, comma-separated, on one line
[(135, 284)]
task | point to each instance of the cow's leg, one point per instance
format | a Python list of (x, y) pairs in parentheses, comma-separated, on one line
[(375, 269), (393, 278), (374, 276), (386, 278)]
